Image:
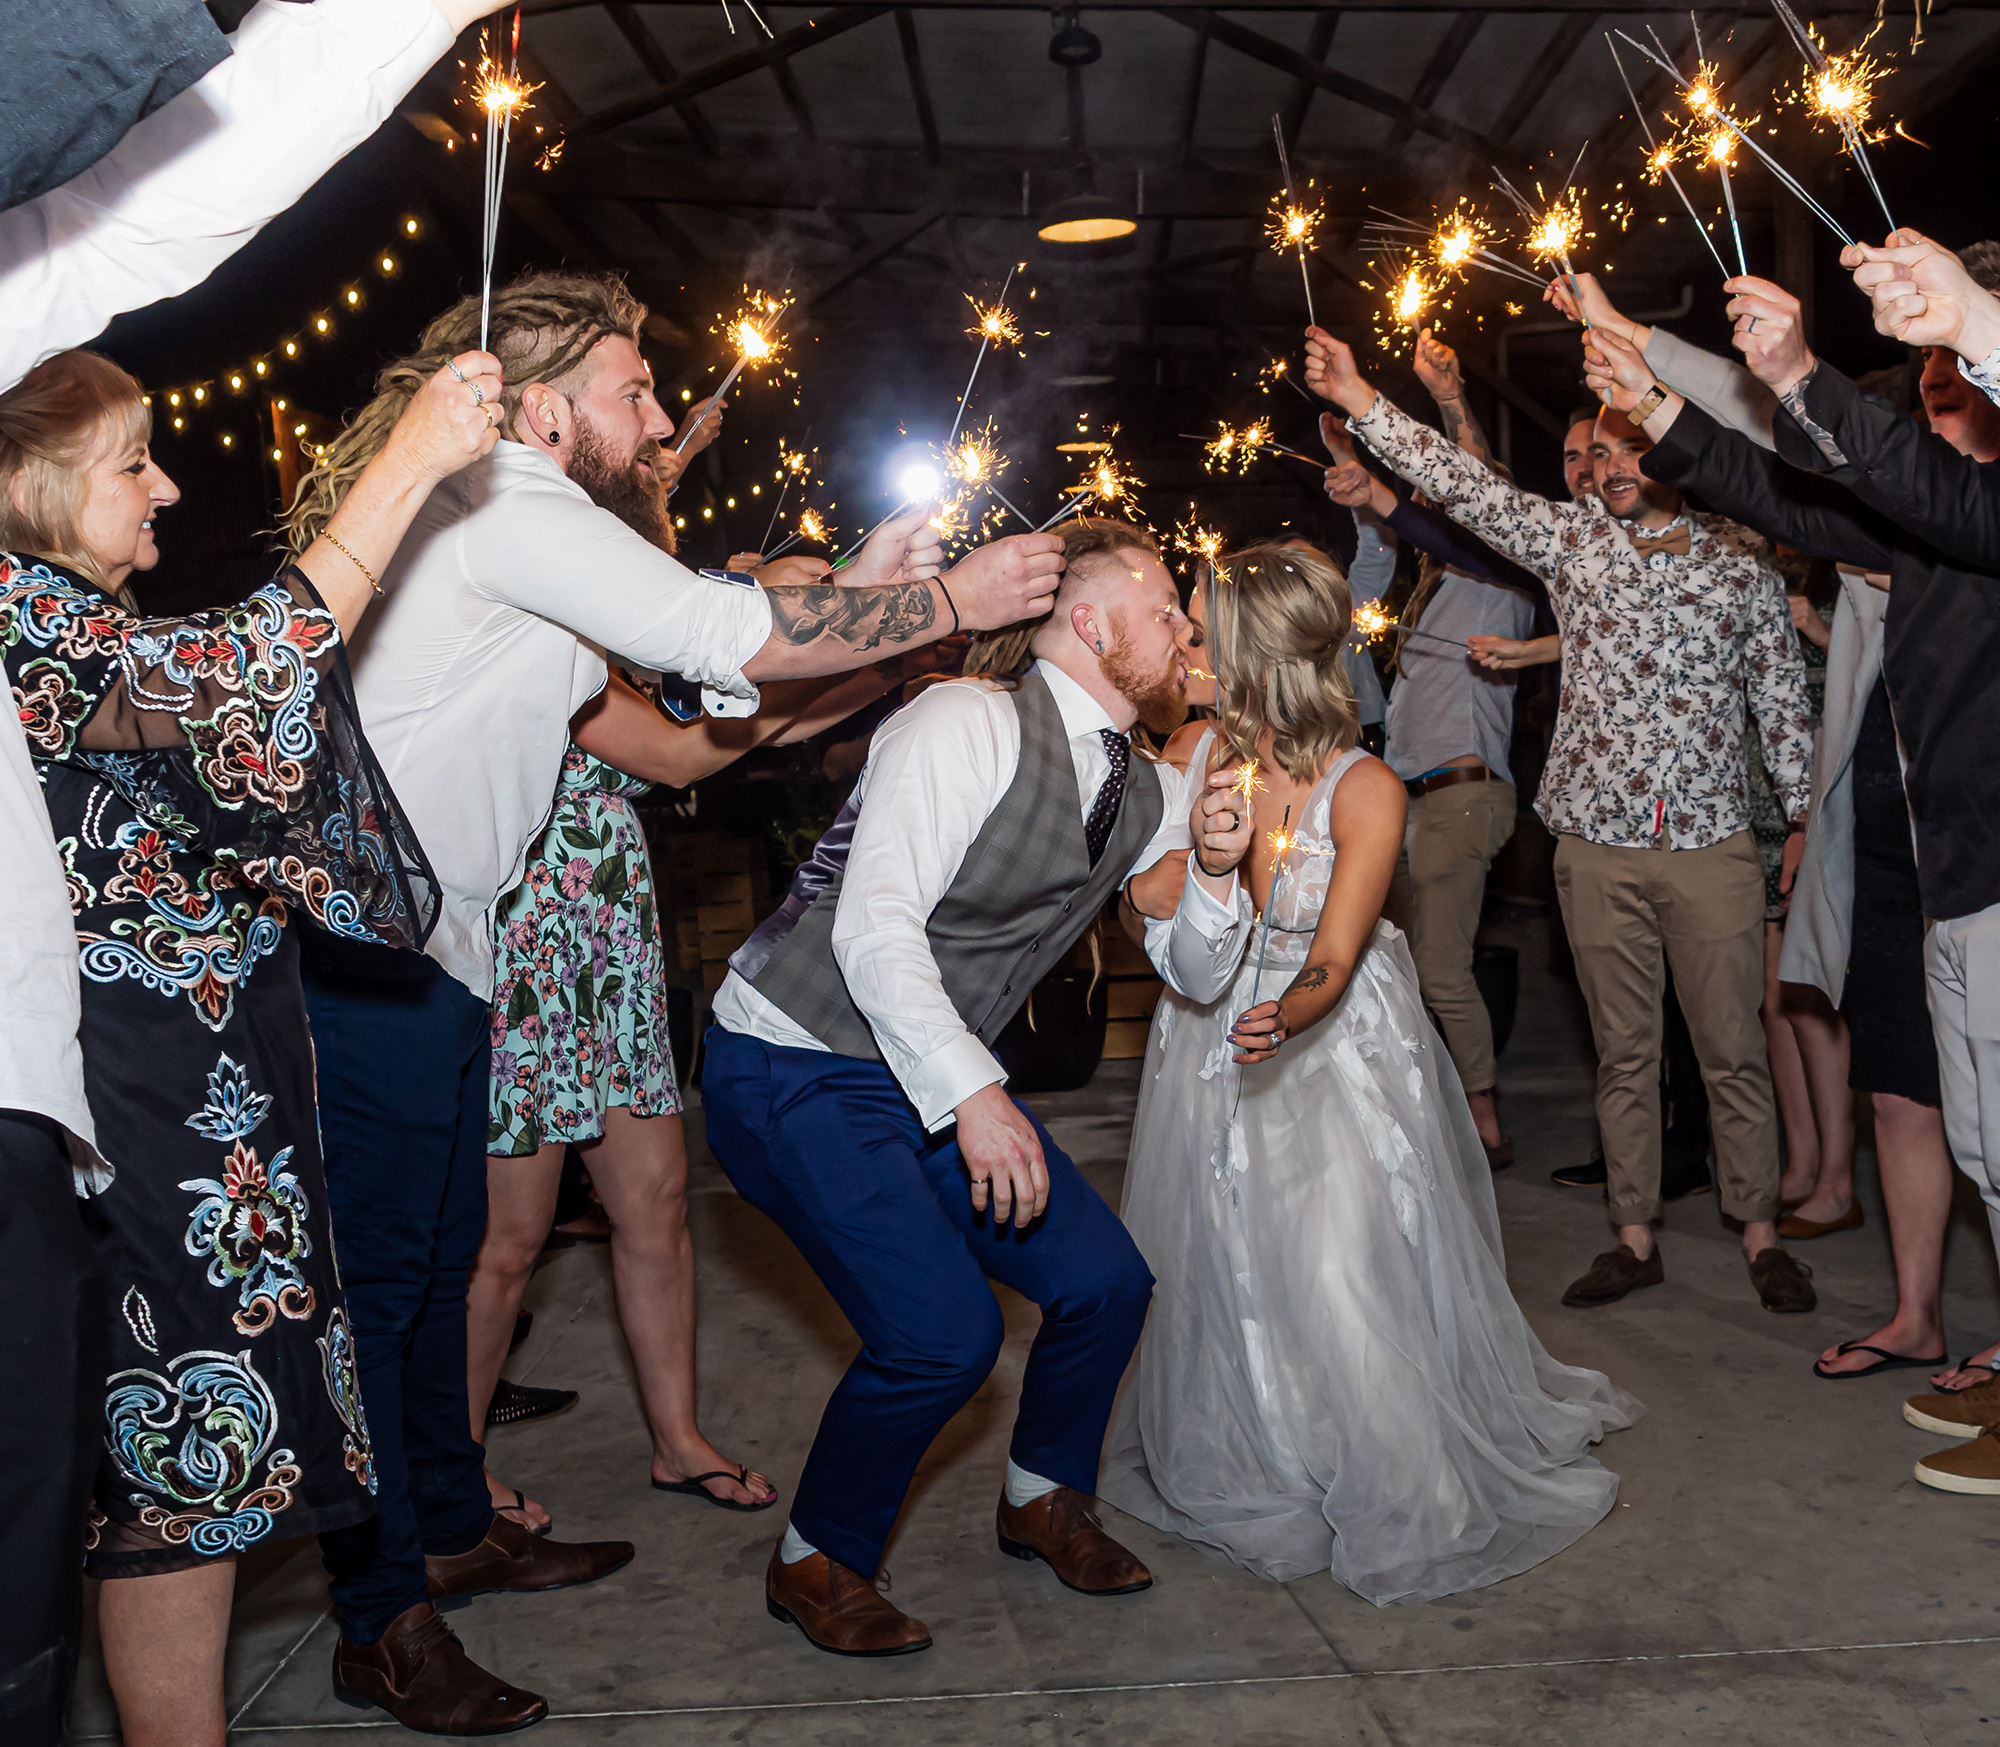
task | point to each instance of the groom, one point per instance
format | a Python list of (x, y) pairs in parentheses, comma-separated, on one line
[(852, 1093)]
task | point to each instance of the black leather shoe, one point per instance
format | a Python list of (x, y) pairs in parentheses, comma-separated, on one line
[(1590, 1176), (515, 1403)]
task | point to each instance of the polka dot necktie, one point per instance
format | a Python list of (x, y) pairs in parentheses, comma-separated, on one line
[(1104, 810)]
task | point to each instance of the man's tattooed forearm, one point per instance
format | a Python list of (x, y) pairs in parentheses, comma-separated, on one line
[(1461, 427), (862, 618), (1793, 400)]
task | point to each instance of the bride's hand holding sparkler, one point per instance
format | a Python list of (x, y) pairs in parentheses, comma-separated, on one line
[(1923, 296), (1222, 825), (1584, 301), (1769, 333), (1331, 373)]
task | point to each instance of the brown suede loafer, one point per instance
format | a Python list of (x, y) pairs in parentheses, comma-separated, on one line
[(419, 1673), (839, 1610), (1060, 1529), (511, 1557), (1614, 1274), (1783, 1284)]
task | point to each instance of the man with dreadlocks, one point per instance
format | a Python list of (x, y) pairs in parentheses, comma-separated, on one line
[(500, 609)]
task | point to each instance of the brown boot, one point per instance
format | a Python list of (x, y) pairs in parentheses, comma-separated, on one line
[(1059, 1528), (1614, 1274), (512, 1557), (839, 1610), (419, 1673)]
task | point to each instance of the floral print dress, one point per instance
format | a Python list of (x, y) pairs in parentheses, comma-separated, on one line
[(204, 776), (580, 983)]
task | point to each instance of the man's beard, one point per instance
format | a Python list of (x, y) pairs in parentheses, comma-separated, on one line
[(630, 492), (1158, 697)]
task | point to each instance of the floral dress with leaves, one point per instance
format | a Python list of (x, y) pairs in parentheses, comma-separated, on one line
[(580, 983), (206, 776)]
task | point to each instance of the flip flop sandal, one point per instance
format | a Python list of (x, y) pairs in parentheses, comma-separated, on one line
[(692, 1486), (1884, 1361), (521, 1504), (1967, 1365)]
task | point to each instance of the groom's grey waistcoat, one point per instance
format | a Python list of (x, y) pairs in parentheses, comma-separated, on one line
[(1022, 898)]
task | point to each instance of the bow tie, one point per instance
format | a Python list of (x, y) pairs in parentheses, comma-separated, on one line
[(1675, 539)]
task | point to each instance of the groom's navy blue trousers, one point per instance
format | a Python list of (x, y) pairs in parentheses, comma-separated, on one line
[(831, 1149)]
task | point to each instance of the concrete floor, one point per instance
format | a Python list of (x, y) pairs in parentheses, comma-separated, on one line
[(1772, 1573)]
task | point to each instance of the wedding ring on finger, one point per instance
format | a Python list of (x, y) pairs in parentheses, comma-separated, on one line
[(451, 364), (1753, 325)]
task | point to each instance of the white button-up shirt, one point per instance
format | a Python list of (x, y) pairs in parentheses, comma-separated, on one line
[(41, 1063), (198, 178), (500, 605), (935, 773)]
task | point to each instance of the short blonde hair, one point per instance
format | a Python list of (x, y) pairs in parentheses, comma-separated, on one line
[(1279, 622), (59, 418)]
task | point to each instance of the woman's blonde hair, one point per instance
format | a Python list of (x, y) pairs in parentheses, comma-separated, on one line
[(543, 328), (59, 418), (1278, 624)]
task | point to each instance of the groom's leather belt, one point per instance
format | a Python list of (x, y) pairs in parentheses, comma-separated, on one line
[(1443, 779)]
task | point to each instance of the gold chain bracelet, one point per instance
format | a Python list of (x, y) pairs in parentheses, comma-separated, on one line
[(351, 559)]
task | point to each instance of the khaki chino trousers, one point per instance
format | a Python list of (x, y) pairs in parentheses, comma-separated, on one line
[(1702, 911), (1449, 843)]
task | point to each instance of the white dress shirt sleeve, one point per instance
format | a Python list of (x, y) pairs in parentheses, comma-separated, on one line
[(935, 773), (199, 177), (1197, 949), (562, 558)]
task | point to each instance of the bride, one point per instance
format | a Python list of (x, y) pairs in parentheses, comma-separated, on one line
[(1335, 1375)]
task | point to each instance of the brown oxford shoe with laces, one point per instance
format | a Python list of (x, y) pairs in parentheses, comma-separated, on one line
[(1059, 1528), (419, 1673), (513, 1557), (838, 1609)]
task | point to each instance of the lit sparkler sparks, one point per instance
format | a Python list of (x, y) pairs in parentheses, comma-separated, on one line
[(1456, 241), (1292, 221), (1661, 156), (1840, 90), (1411, 298), (993, 325), (1718, 147), (1242, 444), (1371, 622), (1248, 784), (501, 95), (1199, 543), (812, 529), (1556, 227), (1106, 480), (753, 331), (793, 465)]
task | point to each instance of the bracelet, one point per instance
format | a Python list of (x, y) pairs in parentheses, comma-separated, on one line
[(351, 559), (948, 601)]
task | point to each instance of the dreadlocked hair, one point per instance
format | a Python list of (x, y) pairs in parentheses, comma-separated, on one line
[(1278, 627), (1005, 653), (542, 329)]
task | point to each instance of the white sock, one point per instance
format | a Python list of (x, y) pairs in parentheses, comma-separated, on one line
[(1025, 1488), (795, 1547)]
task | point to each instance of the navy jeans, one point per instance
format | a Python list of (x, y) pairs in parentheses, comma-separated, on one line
[(402, 1054), (831, 1149)]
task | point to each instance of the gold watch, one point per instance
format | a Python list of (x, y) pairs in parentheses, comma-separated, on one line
[(1649, 403)]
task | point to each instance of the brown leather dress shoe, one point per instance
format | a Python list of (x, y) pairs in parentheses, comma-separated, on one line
[(511, 1557), (419, 1673), (1614, 1274), (839, 1610), (1783, 1284), (1059, 1528)]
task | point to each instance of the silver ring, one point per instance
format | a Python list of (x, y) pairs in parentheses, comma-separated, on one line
[(451, 364), (478, 394)]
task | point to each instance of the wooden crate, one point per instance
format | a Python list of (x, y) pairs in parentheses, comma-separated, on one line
[(1125, 1039), (1134, 997)]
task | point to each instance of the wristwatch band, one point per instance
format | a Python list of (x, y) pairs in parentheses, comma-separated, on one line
[(1650, 402)]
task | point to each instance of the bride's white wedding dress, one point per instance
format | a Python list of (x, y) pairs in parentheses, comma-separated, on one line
[(1335, 1375)]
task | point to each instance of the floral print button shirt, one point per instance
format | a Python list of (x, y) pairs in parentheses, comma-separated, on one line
[(1665, 657)]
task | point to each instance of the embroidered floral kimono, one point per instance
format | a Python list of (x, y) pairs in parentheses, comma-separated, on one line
[(204, 776)]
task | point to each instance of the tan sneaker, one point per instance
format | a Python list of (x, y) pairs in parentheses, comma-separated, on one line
[(1973, 1467), (1963, 1415)]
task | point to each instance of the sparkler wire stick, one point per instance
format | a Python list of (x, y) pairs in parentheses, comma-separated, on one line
[(1285, 164), (1653, 149), (1850, 129), (1528, 212), (499, 99), (708, 405), (1026, 519), (1277, 884), (872, 532), (985, 338), (1735, 229), (1791, 183)]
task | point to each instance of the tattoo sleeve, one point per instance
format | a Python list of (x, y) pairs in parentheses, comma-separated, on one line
[(1462, 428), (896, 613), (1793, 400)]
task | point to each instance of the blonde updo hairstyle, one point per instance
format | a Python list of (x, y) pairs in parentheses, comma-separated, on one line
[(1278, 624), (65, 414)]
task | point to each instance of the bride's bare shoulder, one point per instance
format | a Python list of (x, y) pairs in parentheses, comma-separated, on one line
[(1181, 744), (1369, 797)]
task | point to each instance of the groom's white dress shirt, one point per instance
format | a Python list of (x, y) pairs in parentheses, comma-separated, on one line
[(194, 181), (499, 607), (936, 771)]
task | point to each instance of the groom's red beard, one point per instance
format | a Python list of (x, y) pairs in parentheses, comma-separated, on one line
[(630, 492), (1159, 696)]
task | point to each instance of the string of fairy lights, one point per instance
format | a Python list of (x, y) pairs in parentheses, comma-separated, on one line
[(178, 406)]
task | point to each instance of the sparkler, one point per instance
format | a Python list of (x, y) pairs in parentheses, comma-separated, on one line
[(1840, 89), (1241, 445), (753, 331), (1719, 148), (1201, 544), (1660, 158), (1372, 624), (1790, 182), (1106, 480), (812, 528), (1292, 222), (1410, 299), (1281, 848), (792, 464), (995, 325), (501, 96), (1457, 242)]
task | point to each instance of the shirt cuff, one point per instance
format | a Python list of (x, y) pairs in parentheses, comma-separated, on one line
[(725, 692), (1210, 916), (1985, 375), (944, 1079)]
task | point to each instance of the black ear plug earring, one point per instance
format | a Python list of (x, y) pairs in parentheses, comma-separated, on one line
[(1100, 646), (554, 438)]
